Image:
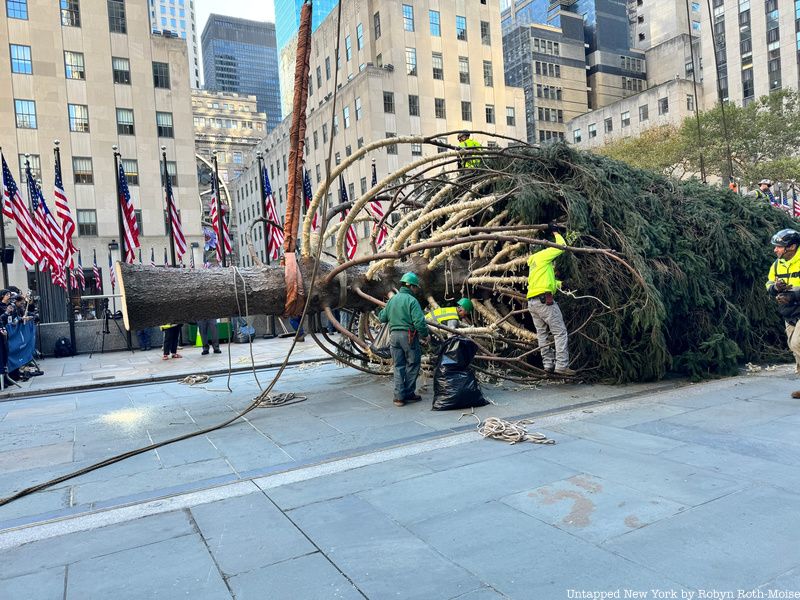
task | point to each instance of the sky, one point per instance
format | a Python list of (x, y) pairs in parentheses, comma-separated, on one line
[(258, 10)]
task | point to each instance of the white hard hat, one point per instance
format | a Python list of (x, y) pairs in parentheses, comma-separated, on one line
[(765, 181)]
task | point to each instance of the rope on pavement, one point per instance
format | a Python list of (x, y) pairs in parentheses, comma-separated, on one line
[(280, 400), (195, 379), (507, 431)]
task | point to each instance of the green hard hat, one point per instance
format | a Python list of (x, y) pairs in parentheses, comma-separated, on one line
[(410, 279), (466, 304)]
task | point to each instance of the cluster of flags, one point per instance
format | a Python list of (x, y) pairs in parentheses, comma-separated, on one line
[(784, 202), (218, 220), (47, 242)]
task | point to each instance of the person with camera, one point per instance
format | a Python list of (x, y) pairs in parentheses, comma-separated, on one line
[(546, 314), (783, 285)]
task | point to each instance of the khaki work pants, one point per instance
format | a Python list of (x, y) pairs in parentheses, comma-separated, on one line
[(793, 339), (550, 330)]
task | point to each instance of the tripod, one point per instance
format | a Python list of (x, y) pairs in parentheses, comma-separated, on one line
[(106, 330)]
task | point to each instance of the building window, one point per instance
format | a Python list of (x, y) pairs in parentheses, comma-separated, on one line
[(334, 128), (82, 169), (576, 136), (413, 105), (337, 158), (17, 9), (125, 121), (466, 111), (663, 106), (172, 170), (21, 59), (388, 102), (391, 148), (689, 102), (122, 70), (438, 65), (488, 75), (348, 48), (461, 28), (327, 68), (70, 13), (644, 113), (161, 75), (439, 109), (164, 125), (625, 119), (511, 117), (490, 114), (408, 17), (131, 168), (74, 67), (608, 125), (324, 133), (87, 222), (463, 69), (26, 114), (416, 149), (486, 36), (411, 61), (376, 22), (748, 88), (359, 36), (346, 116), (78, 118), (358, 108), (116, 16), (592, 130), (436, 24)]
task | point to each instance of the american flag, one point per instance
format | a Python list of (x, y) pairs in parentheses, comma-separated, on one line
[(795, 203), (55, 238), (65, 214), (152, 257), (79, 272), (216, 217), (350, 238), (98, 283), (39, 222), (129, 225), (30, 242), (274, 232), (5, 194), (111, 274), (73, 281), (308, 195), (175, 219), (377, 211)]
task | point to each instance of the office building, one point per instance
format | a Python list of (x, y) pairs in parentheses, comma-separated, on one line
[(240, 56), (287, 24), (177, 17), (549, 64), (757, 49), (406, 67), (98, 79)]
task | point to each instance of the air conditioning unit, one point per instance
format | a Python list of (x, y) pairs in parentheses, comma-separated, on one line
[(389, 67)]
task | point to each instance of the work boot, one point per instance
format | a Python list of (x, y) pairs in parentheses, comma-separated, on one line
[(566, 372), (398, 402), (204, 352), (414, 398), (796, 394), (549, 369), (217, 351)]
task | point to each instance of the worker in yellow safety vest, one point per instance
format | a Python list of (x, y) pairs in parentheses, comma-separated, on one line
[(546, 314), (465, 141), (451, 316), (783, 285)]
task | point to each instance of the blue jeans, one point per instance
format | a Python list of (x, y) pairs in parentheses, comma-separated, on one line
[(295, 322), (406, 357), (144, 339)]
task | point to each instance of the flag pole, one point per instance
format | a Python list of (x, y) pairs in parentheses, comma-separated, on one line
[(117, 156), (3, 240), (260, 158), (70, 311), (220, 216), (169, 198)]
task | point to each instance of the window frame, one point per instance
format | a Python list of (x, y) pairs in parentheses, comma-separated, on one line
[(70, 13), (131, 174), (86, 228), (115, 71), (21, 60), (131, 125), (76, 70), (78, 123), (117, 19), (29, 119), (165, 130), (19, 10), (161, 75), (82, 176), (435, 20), (461, 28)]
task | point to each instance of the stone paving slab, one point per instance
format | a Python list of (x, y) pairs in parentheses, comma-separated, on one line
[(43, 585), (290, 580), (379, 556), (738, 542)]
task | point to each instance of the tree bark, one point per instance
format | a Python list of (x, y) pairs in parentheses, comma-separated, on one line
[(157, 296)]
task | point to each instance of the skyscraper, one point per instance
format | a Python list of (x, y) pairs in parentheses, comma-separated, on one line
[(240, 56), (287, 23), (178, 17)]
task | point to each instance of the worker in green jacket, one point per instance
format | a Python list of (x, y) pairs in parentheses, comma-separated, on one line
[(451, 316), (465, 141), (407, 325), (547, 317)]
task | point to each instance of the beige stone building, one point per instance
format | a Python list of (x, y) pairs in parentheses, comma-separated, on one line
[(405, 67), (93, 76)]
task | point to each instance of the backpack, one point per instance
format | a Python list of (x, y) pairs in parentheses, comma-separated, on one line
[(62, 348)]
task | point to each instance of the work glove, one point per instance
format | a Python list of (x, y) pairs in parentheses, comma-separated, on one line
[(783, 298), (782, 286)]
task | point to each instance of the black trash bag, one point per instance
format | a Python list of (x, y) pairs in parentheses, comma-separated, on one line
[(62, 348), (454, 383)]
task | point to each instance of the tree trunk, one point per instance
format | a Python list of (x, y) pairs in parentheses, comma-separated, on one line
[(157, 296)]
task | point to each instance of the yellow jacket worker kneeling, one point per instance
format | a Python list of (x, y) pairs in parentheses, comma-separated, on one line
[(451, 316)]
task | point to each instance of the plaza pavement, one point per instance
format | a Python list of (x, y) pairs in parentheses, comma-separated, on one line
[(657, 490)]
